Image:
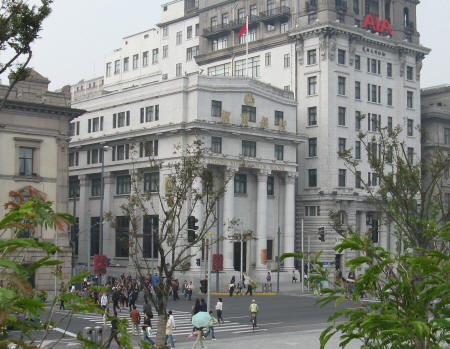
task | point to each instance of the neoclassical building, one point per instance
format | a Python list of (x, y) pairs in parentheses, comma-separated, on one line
[(34, 144), (250, 130)]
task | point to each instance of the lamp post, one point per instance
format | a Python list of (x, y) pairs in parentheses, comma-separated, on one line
[(100, 237)]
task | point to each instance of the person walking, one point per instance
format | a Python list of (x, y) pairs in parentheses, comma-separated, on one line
[(103, 301), (147, 330), (212, 322), (135, 320), (219, 309), (199, 339), (203, 305), (147, 310), (114, 332), (184, 289), (189, 289), (170, 326), (294, 278), (249, 288), (231, 289)]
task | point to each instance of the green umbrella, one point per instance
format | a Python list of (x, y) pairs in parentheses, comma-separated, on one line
[(201, 319)]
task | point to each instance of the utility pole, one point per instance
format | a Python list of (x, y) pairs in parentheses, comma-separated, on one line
[(217, 243), (278, 261), (308, 262), (303, 265), (209, 254)]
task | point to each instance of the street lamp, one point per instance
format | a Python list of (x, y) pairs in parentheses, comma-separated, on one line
[(100, 238)]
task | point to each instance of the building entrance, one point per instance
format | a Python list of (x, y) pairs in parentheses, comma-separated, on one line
[(237, 256)]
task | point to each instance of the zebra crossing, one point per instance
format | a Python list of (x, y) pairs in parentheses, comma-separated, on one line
[(182, 322)]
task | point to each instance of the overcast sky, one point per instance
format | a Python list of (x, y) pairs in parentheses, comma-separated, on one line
[(79, 33)]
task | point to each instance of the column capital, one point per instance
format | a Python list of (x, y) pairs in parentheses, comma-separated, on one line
[(290, 177), (262, 175), (83, 180)]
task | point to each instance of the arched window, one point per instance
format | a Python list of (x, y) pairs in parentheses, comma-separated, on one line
[(387, 10), (405, 17)]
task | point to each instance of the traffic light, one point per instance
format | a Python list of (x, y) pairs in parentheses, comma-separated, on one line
[(204, 286), (322, 234), (192, 228)]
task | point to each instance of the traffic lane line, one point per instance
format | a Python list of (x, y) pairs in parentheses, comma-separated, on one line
[(65, 332), (251, 331)]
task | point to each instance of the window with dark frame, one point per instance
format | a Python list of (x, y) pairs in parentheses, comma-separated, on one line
[(311, 57), (249, 148), (269, 249), (216, 109), (341, 56), (270, 185), (96, 183), (74, 187), (151, 182), (312, 147), (341, 179), (312, 116), (341, 116), (357, 90), (240, 183), (26, 161), (279, 115), (95, 235), (123, 185), (250, 111), (410, 127), (279, 152), (150, 228), (341, 85), (122, 236), (216, 145), (312, 178)]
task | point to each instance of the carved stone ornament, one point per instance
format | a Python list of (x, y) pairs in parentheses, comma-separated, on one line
[(332, 48), (244, 119), (168, 185), (323, 47), (419, 60), (352, 50), (225, 116), (264, 122), (249, 99), (300, 51), (283, 124)]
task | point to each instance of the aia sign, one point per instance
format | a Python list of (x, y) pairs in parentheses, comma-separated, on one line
[(376, 25)]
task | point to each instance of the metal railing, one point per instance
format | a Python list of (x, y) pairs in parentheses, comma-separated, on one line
[(282, 11)]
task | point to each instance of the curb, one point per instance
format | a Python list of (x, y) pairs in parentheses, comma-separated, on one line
[(240, 294)]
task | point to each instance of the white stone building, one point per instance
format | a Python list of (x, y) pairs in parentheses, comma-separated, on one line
[(339, 59)]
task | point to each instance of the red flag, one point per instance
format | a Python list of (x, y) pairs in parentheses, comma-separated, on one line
[(243, 29)]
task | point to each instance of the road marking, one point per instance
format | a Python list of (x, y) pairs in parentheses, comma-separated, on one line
[(236, 317), (70, 334), (251, 331)]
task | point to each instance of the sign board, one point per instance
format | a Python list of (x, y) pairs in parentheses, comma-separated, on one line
[(325, 263), (376, 26)]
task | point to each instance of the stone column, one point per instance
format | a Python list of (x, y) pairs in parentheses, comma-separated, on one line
[(84, 224), (289, 219), (109, 234), (261, 221), (228, 215)]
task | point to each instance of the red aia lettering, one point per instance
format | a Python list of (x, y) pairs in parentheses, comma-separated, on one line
[(375, 25)]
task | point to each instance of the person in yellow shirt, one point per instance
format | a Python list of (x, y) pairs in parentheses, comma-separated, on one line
[(253, 311)]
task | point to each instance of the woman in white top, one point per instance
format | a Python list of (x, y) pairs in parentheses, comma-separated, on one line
[(219, 308)]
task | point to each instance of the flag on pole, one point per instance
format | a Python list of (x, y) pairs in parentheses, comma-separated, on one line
[(243, 29)]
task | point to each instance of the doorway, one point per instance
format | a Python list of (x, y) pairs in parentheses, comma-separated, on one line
[(237, 256)]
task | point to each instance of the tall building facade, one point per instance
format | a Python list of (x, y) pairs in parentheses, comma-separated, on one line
[(352, 66), (33, 150)]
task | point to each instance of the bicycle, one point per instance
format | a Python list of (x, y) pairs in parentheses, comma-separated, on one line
[(253, 320)]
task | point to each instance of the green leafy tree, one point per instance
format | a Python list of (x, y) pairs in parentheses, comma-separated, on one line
[(20, 24), (409, 287)]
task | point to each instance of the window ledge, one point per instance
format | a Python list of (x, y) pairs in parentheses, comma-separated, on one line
[(342, 126), (121, 195), (339, 95), (271, 197), (94, 197), (36, 179), (242, 195), (310, 126), (314, 95), (312, 157)]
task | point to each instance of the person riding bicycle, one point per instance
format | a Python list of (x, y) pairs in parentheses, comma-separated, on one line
[(253, 311)]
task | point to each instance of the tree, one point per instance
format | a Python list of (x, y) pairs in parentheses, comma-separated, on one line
[(181, 197), (19, 302), (410, 286), (20, 24)]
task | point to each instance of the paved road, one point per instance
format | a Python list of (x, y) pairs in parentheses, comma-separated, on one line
[(278, 315)]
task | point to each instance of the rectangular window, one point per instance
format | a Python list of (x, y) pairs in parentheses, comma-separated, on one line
[(178, 69), (74, 187), (357, 62), (249, 148), (312, 178), (145, 59), (389, 70), (341, 145), (409, 99), (250, 111), (410, 127), (358, 179), (357, 120), (96, 183), (253, 66), (341, 179), (135, 61), (312, 147), (279, 115), (312, 85), (73, 159), (284, 27), (220, 43), (151, 182), (409, 73), (95, 157), (341, 116), (270, 27), (189, 54), (270, 185), (155, 53), (341, 85), (95, 235), (311, 57), (341, 56), (165, 31), (446, 135), (179, 38), (220, 70), (122, 236), (150, 228), (268, 59), (216, 145), (389, 96), (26, 161), (240, 183), (95, 124), (189, 32), (197, 29), (108, 69), (225, 18), (126, 64), (357, 90), (287, 60), (117, 67), (148, 148), (279, 152), (358, 150), (390, 126), (312, 116), (410, 155), (213, 21), (216, 109), (123, 184), (165, 51)]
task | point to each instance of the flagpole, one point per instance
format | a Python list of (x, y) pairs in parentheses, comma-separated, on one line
[(246, 44)]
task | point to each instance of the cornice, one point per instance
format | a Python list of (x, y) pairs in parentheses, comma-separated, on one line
[(43, 108), (192, 127), (330, 29)]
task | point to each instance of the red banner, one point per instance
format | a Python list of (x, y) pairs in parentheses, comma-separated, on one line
[(100, 264), (217, 262)]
